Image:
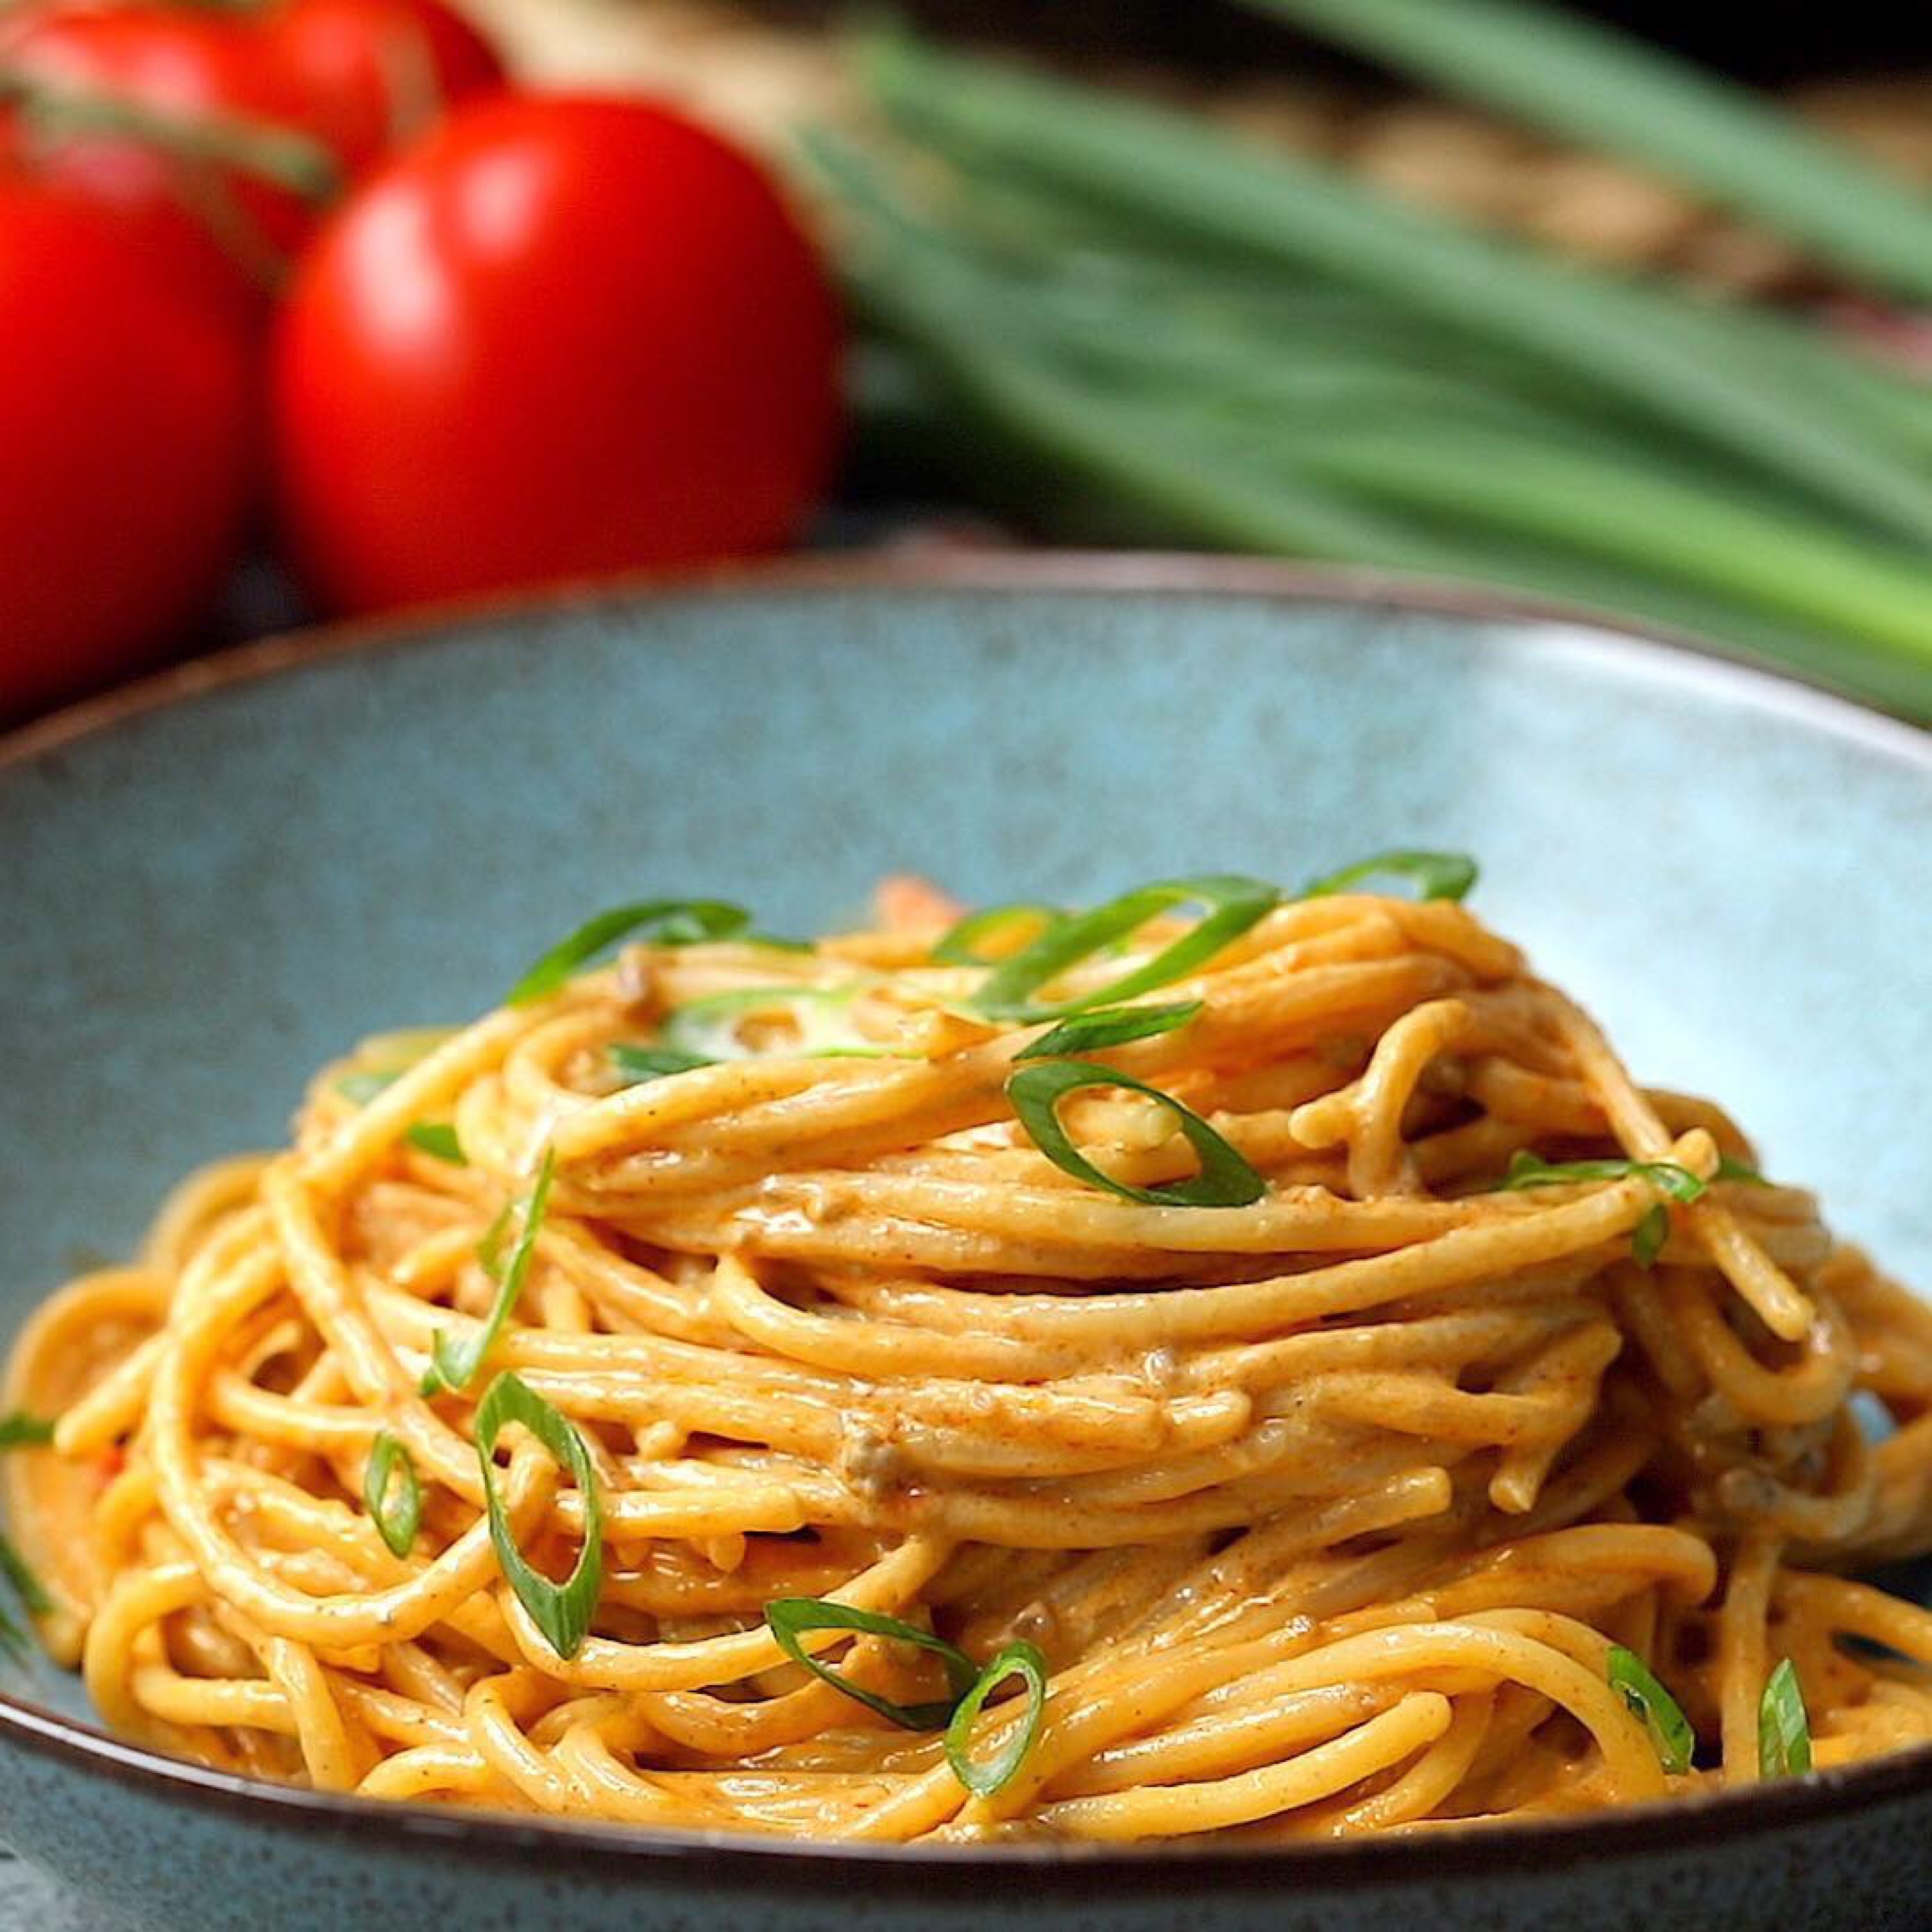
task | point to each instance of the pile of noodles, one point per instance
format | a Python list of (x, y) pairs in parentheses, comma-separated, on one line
[(1329, 1512)]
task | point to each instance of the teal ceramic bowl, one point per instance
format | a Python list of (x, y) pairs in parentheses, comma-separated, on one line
[(218, 880)]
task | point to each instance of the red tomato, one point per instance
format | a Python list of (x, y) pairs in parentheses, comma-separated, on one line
[(372, 72), (190, 63), (560, 338), (126, 399)]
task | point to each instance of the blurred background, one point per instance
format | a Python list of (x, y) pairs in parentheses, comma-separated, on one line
[(326, 308)]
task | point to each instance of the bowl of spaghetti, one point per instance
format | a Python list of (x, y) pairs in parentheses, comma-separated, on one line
[(904, 1241)]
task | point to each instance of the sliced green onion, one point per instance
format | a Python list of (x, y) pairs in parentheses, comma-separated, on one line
[(668, 923), (1234, 904), (454, 1364), (708, 1027), (1670, 1733), (1088, 1033), (963, 945), (24, 1583), (1438, 875), (1226, 1179), (1648, 1236), (1020, 1659), (18, 1429), (437, 1137), (791, 1618), (363, 1084), (1729, 1168), (561, 1611), (396, 1521), (640, 1063), (1526, 1170), (1784, 1728)]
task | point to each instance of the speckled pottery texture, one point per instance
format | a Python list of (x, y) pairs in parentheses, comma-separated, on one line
[(216, 882)]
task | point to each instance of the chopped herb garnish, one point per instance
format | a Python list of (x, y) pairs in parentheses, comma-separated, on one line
[(437, 1137), (397, 1518), (667, 922), (1670, 1732), (640, 1063), (1729, 1168), (791, 1618), (1437, 875), (1226, 1179), (1784, 1728), (19, 1429), (1088, 1033), (453, 1364), (561, 1611), (1018, 1659), (1022, 922), (1233, 904)]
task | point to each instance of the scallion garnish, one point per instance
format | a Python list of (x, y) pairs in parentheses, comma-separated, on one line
[(24, 1583), (1088, 1033), (640, 1063), (1729, 1168), (1233, 904), (1670, 1732), (668, 923), (561, 1611), (1437, 875), (791, 1618), (1784, 1728), (707, 1028), (396, 1519), (18, 1429), (1226, 1179), (1648, 1236), (963, 945), (1018, 1659), (1526, 1170), (363, 1083), (453, 1364), (437, 1137)]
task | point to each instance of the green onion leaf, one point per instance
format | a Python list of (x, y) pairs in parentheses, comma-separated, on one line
[(453, 1364), (1234, 904), (1438, 875), (396, 1522), (561, 1611), (640, 1063), (1783, 1729), (23, 1580), (1729, 1168), (1021, 1659), (668, 923), (962, 945), (363, 1084), (18, 1428), (1088, 1033), (1648, 1237), (1526, 1170), (437, 1137), (1226, 1179), (1670, 1732), (791, 1618), (707, 1028)]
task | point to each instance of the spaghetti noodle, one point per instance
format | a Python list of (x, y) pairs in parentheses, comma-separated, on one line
[(1221, 1363)]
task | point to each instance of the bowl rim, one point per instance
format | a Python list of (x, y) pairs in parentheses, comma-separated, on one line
[(745, 1860)]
